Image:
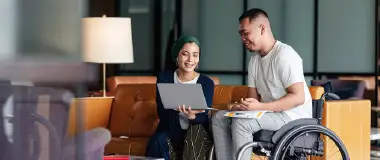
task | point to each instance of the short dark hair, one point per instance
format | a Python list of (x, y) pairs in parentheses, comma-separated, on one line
[(253, 13)]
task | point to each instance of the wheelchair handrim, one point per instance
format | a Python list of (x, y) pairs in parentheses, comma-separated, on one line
[(284, 144)]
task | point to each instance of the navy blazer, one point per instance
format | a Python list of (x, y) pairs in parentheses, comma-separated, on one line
[(169, 118)]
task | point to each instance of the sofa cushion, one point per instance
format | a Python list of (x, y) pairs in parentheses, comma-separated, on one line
[(127, 146), (113, 82), (222, 95), (134, 111), (239, 92)]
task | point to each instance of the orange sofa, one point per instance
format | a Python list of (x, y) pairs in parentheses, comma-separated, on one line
[(113, 82), (132, 113)]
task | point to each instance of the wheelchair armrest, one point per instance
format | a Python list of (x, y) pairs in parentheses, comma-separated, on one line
[(332, 96), (287, 127)]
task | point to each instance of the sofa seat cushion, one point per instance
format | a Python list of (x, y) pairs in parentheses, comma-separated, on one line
[(127, 146)]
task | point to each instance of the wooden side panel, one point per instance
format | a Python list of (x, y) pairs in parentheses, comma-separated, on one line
[(94, 112), (350, 120)]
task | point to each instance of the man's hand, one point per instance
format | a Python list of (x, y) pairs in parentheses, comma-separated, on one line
[(251, 104), (188, 112), (238, 107)]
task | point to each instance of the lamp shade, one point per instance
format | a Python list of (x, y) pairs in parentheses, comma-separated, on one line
[(107, 40)]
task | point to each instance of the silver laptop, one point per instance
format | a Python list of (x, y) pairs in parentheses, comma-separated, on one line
[(174, 95)]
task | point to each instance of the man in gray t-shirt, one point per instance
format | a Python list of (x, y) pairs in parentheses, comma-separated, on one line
[(276, 84)]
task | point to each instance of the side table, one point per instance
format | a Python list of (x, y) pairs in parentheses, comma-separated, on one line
[(97, 94)]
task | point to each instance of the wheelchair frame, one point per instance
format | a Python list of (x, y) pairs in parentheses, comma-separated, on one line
[(295, 132)]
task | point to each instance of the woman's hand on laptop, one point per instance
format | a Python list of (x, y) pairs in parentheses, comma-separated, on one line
[(191, 114)]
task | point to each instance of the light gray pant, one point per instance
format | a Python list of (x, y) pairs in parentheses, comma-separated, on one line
[(230, 134)]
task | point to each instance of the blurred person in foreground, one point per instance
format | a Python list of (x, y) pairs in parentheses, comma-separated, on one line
[(183, 134), (276, 83)]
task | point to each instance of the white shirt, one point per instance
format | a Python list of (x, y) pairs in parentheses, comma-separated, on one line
[(275, 72), (184, 122)]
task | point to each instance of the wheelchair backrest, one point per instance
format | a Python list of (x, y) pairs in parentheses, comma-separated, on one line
[(319, 103), (318, 109)]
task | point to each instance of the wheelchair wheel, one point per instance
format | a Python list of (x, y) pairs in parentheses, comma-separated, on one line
[(310, 142)]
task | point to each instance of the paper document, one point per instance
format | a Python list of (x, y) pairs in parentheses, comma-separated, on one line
[(246, 114), (375, 134)]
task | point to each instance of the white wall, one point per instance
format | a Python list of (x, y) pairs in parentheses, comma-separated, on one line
[(168, 15), (191, 17), (292, 23), (8, 28), (299, 29), (346, 33), (215, 23), (221, 43), (346, 41), (51, 28), (142, 18)]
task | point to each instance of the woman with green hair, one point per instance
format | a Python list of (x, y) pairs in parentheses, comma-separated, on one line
[(183, 134)]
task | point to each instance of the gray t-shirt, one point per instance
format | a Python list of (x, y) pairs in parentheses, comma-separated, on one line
[(275, 72)]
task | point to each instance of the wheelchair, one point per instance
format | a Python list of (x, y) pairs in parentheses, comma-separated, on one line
[(298, 140)]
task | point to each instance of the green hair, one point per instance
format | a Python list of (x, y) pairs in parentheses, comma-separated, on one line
[(178, 45)]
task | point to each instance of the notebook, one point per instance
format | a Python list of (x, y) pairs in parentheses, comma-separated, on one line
[(246, 114)]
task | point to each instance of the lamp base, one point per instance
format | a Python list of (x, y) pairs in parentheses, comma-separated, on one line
[(104, 80)]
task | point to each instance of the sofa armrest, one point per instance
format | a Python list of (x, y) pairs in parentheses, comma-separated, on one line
[(350, 120), (94, 112)]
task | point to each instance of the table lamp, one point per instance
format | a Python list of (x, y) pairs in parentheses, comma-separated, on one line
[(107, 40)]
